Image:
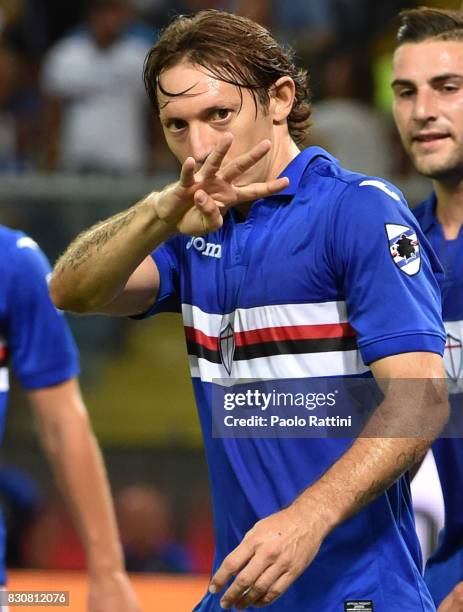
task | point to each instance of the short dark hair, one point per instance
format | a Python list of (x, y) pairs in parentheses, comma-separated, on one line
[(235, 50), (424, 23)]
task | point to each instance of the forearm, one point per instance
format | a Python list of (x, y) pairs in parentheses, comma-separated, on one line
[(96, 266), (395, 439), (367, 469), (78, 467)]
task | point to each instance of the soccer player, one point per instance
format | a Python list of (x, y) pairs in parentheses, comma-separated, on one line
[(428, 110), (291, 276), (35, 339)]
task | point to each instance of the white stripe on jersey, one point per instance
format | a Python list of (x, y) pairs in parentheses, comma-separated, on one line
[(304, 365), (308, 365), (261, 317)]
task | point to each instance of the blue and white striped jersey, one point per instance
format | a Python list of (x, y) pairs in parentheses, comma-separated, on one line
[(320, 280)]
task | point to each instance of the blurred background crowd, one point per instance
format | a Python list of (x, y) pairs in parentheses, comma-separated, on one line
[(79, 142)]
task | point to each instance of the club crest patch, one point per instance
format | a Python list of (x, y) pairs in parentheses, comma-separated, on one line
[(227, 343), (404, 248)]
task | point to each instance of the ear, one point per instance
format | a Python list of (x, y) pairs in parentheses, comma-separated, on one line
[(282, 96)]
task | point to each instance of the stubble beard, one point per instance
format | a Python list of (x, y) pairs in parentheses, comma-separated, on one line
[(445, 168)]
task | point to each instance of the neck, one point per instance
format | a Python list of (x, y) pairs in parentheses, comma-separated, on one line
[(449, 207)]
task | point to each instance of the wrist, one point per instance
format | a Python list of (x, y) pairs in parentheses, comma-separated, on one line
[(98, 570), (159, 202), (313, 508), (100, 564)]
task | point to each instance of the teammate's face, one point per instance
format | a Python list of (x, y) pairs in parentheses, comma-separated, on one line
[(428, 106), (194, 122)]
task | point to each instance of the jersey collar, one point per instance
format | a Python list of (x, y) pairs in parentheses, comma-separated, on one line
[(297, 167)]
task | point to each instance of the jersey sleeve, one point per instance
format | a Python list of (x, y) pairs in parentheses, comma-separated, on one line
[(42, 349), (166, 258), (388, 273)]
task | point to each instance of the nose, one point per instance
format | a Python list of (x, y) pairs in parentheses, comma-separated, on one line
[(425, 107), (201, 142)]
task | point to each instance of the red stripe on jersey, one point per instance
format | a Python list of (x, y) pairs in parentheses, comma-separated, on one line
[(195, 335), (275, 334), (295, 332)]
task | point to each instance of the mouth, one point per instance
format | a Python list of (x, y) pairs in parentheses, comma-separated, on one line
[(430, 138)]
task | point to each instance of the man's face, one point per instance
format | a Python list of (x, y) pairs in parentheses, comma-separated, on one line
[(428, 106), (194, 123)]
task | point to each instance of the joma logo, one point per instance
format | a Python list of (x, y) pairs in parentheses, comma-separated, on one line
[(209, 249)]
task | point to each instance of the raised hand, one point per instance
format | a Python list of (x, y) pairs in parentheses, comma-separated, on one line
[(195, 205)]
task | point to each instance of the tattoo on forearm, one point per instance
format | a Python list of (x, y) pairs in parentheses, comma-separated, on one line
[(93, 240), (404, 461)]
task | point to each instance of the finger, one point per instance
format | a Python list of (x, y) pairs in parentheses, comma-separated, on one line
[(231, 565), (261, 586), (276, 590), (213, 162), (187, 173), (210, 213), (244, 162), (255, 191), (247, 578)]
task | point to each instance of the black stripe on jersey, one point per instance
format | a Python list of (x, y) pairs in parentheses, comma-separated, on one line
[(278, 347), (295, 347), (202, 352)]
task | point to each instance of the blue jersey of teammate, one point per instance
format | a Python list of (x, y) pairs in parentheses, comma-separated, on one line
[(322, 279), (34, 338), (445, 567)]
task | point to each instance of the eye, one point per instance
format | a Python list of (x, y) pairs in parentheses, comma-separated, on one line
[(405, 93), (175, 125), (450, 88), (220, 114)]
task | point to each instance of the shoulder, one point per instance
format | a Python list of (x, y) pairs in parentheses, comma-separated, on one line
[(12, 243), (8, 238), (18, 251), (22, 262), (345, 192)]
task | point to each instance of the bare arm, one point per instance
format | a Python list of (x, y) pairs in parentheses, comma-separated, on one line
[(374, 462), (109, 262), (68, 440), (107, 268), (292, 537)]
